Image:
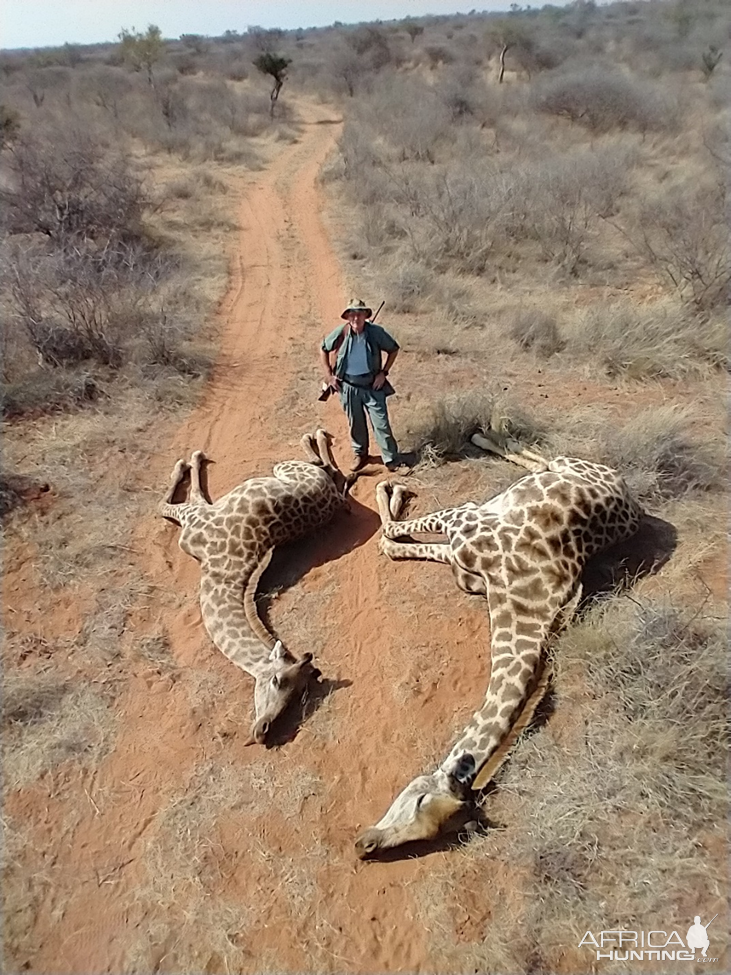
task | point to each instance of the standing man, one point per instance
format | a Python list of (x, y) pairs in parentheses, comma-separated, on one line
[(361, 378)]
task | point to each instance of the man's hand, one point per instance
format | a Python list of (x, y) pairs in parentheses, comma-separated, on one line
[(333, 382), (380, 380)]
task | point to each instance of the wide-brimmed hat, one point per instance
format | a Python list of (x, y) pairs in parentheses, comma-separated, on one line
[(356, 304)]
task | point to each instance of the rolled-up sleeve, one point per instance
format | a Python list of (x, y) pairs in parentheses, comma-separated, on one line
[(330, 341), (384, 340)]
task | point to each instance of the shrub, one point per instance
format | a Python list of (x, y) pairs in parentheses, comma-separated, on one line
[(460, 93), (657, 341), (684, 236), (371, 42), (82, 304), (237, 70), (66, 187), (46, 391), (463, 214), (562, 198), (536, 330), (9, 126), (602, 99), (444, 428), (406, 285), (439, 54), (661, 457), (108, 88), (411, 116)]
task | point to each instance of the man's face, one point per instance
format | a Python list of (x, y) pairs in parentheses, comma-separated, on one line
[(357, 320)]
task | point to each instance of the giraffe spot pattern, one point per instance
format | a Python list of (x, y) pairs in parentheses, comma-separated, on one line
[(529, 545)]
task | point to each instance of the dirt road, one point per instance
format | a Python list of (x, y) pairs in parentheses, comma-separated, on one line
[(185, 849)]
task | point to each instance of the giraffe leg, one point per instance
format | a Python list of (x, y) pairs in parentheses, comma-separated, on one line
[(196, 495), (389, 494), (426, 551), (322, 438), (428, 525), (399, 497), (510, 450), (383, 500), (308, 446), (166, 508)]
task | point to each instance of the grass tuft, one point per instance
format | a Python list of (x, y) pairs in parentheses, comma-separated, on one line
[(47, 391), (661, 457), (47, 721), (444, 428), (538, 331), (657, 341)]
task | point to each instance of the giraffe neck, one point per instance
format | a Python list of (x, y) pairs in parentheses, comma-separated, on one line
[(518, 680), (224, 617)]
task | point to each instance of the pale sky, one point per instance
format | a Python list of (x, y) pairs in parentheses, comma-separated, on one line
[(46, 23)]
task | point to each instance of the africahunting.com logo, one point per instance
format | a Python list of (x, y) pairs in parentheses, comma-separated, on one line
[(620, 945)]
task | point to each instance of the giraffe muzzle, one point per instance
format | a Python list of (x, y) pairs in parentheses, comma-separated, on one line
[(260, 731), (368, 844)]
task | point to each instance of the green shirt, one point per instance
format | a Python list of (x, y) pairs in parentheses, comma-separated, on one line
[(377, 340)]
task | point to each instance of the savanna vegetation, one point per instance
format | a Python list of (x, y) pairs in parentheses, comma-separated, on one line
[(541, 198)]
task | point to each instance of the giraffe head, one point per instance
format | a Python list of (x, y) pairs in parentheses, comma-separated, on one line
[(282, 681), (428, 806)]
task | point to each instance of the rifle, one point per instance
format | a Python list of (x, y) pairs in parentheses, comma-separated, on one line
[(326, 389)]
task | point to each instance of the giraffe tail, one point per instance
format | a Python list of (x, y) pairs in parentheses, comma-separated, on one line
[(537, 692), (252, 614)]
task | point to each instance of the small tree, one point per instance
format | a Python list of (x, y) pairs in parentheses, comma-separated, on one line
[(142, 50), (276, 67), (196, 42), (413, 30), (509, 33)]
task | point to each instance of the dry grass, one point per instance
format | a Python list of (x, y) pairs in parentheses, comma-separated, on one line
[(443, 428), (610, 816), (663, 340), (47, 721), (602, 824), (662, 457), (611, 813), (188, 870), (155, 648), (536, 330)]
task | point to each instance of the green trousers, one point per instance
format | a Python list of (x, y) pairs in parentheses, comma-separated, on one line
[(359, 400)]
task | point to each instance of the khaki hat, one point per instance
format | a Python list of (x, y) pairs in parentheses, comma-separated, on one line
[(357, 304)]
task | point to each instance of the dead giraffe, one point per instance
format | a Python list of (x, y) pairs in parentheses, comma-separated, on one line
[(233, 539), (524, 550)]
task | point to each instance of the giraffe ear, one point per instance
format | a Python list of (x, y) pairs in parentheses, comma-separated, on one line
[(278, 652)]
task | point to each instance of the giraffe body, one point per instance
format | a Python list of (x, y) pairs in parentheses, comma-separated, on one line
[(524, 550), (233, 539)]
